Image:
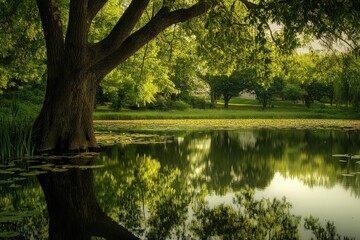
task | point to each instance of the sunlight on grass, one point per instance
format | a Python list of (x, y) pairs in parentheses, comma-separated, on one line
[(220, 124)]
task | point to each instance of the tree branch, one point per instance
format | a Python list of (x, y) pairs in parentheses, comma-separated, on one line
[(123, 27), (53, 31), (271, 32), (249, 5), (94, 7), (78, 26), (134, 42)]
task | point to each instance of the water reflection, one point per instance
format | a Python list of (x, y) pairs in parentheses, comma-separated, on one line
[(191, 187), (229, 160), (72, 206), (224, 162)]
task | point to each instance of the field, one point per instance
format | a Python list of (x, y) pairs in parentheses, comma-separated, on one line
[(238, 109)]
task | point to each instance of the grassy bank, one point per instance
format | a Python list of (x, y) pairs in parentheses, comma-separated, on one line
[(238, 109)]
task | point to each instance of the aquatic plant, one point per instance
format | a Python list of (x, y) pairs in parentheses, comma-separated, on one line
[(15, 138)]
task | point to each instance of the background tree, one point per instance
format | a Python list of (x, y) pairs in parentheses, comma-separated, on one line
[(293, 92), (229, 87), (347, 87), (22, 50)]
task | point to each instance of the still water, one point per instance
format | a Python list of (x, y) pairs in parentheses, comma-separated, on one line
[(162, 189)]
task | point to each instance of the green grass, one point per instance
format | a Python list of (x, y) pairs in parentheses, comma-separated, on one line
[(15, 138), (238, 109)]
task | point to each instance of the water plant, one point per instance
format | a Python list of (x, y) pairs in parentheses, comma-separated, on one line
[(15, 138)]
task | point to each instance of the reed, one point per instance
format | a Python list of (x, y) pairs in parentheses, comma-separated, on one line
[(15, 139)]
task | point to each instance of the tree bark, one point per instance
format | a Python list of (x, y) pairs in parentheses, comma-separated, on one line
[(226, 101), (65, 122)]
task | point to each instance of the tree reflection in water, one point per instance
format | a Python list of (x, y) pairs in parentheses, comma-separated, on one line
[(72, 206), (220, 162), (161, 191)]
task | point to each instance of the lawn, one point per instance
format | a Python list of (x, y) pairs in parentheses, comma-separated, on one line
[(238, 109)]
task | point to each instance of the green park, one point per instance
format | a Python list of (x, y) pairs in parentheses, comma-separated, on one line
[(182, 119)]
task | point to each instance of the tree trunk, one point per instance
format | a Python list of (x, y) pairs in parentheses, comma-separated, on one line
[(65, 123), (226, 102), (73, 209)]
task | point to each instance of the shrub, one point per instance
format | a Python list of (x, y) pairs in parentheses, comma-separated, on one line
[(325, 99), (197, 102), (177, 105)]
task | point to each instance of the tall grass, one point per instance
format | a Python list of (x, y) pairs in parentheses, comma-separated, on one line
[(15, 139)]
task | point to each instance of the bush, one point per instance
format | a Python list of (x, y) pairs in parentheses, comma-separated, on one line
[(293, 92), (325, 99), (197, 102), (177, 105), (164, 104)]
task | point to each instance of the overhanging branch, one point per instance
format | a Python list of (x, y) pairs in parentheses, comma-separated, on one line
[(249, 5), (134, 42), (94, 7), (123, 27)]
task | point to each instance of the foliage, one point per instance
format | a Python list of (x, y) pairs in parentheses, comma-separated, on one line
[(349, 82), (23, 103), (253, 219), (326, 233), (22, 50), (293, 92), (229, 86), (15, 138), (164, 104), (197, 102)]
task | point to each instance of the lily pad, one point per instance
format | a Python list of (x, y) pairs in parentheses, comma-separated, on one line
[(31, 173), (6, 172), (42, 166), (91, 166), (6, 181), (347, 175), (32, 161), (59, 170), (17, 179), (16, 169), (69, 166), (341, 155)]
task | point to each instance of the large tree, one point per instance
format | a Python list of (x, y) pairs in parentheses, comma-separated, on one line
[(76, 66)]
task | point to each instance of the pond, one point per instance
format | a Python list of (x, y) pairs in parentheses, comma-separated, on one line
[(177, 185)]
